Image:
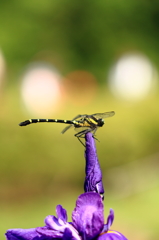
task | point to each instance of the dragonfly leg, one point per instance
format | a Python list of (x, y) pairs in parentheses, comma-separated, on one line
[(96, 138), (84, 132), (81, 141), (94, 134), (82, 135)]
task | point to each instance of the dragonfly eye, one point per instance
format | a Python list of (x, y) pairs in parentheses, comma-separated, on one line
[(100, 122)]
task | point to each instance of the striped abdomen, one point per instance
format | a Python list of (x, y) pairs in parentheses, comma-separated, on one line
[(30, 121)]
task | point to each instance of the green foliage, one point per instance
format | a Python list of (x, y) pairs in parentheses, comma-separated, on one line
[(80, 34)]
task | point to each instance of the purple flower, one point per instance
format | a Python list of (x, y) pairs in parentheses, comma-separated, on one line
[(87, 223), (93, 180), (88, 215)]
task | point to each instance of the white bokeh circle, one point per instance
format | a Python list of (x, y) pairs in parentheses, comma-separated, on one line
[(132, 77), (40, 89)]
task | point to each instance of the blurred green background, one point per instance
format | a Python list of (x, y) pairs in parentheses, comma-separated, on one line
[(41, 168)]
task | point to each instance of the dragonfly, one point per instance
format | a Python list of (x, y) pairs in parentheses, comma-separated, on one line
[(82, 123)]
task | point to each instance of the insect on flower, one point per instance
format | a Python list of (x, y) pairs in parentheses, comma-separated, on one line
[(82, 123)]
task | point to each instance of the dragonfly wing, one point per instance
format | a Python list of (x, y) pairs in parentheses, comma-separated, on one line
[(104, 115), (85, 130), (67, 128), (79, 116), (81, 129)]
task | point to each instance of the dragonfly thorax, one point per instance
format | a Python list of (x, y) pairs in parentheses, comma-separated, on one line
[(100, 122)]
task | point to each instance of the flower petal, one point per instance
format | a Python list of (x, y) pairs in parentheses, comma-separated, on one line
[(61, 213), (93, 180), (49, 233), (110, 220), (23, 234), (112, 235), (88, 216), (52, 222), (67, 234)]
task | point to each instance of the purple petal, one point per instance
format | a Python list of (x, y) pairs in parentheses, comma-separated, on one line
[(55, 223), (67, 234), (112, 235), (55, 228), (93, 180), (70, 235), (48, 233), (110, 220), (61, 233), (88, 216), (61, 213), (23, 234), (52, 222)]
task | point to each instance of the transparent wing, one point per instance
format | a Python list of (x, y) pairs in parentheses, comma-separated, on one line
[(67, 128), (81, 129), (104, 115), (96, 115), (78, 117), (81, 117), (78, 129)]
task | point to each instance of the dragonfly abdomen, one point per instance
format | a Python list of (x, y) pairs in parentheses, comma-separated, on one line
[(30, 121)]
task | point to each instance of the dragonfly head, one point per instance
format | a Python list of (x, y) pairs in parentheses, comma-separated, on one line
[(100, 122)]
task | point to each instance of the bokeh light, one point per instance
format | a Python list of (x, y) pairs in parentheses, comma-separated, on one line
[(40, 89), (80, 87), (132, 77)]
